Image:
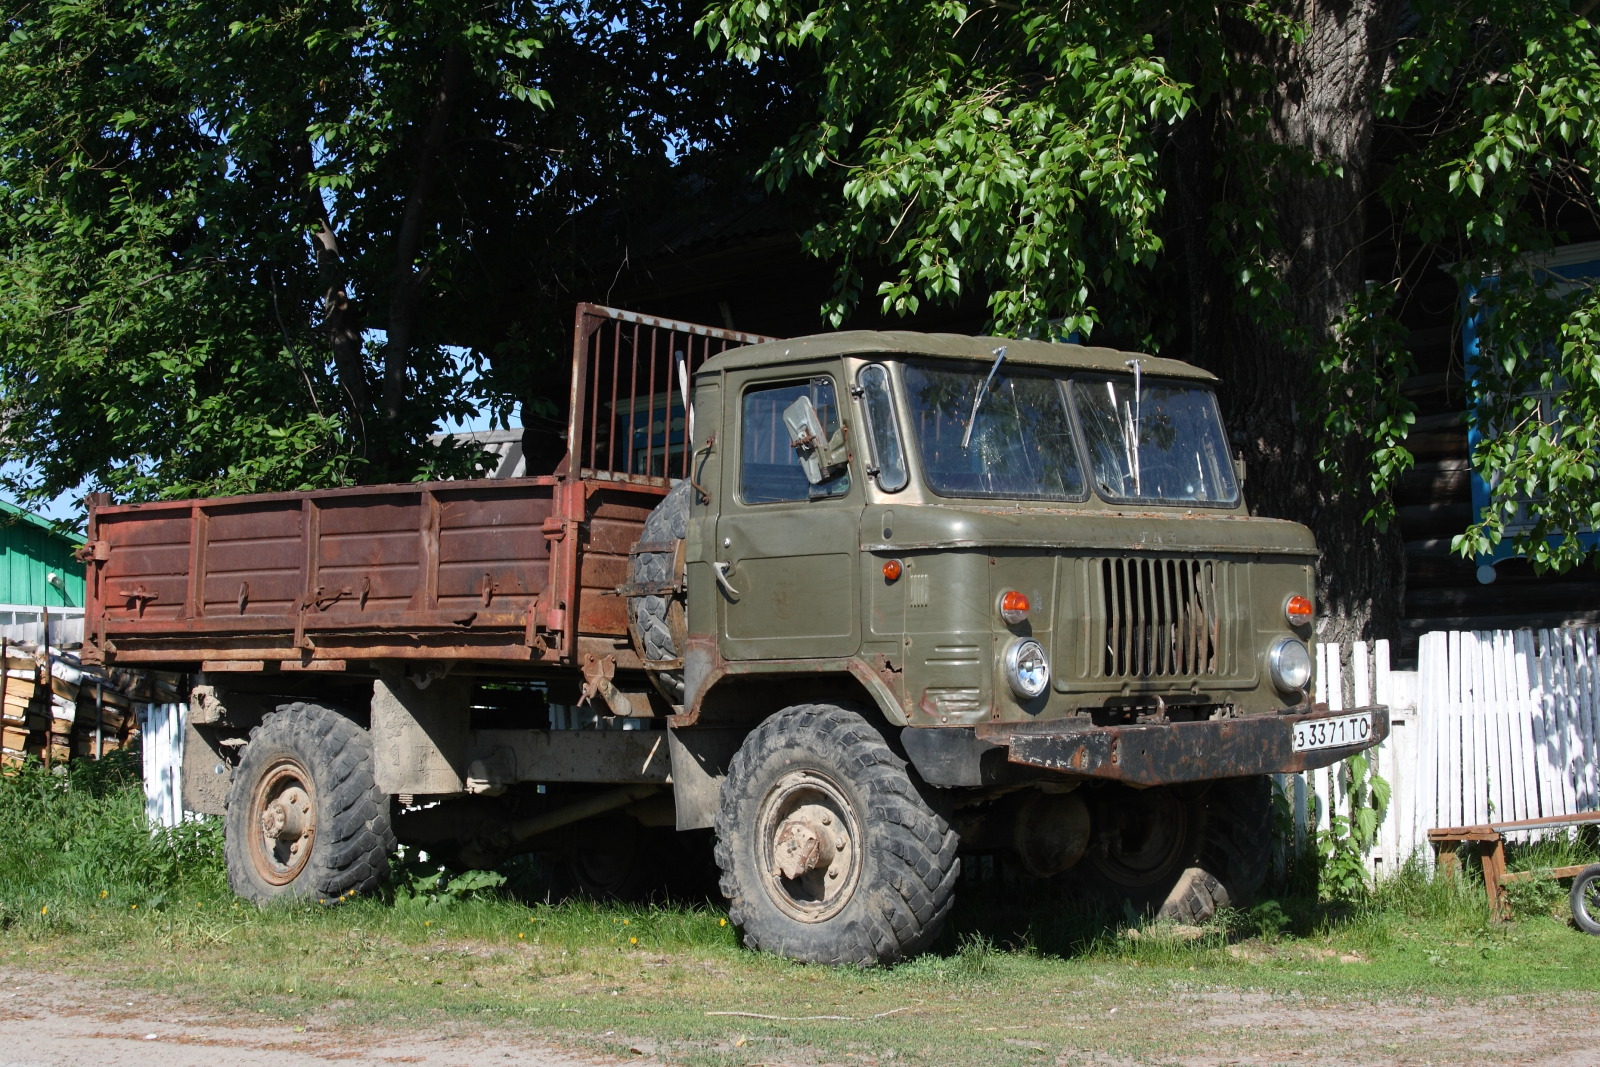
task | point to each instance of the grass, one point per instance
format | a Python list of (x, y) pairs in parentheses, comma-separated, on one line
[(84, 888)]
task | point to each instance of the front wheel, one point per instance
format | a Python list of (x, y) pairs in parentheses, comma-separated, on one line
[(305, 819), (1586, 899), (828, 852)]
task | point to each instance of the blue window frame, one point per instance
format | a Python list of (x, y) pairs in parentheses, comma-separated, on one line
[(1575, 262)]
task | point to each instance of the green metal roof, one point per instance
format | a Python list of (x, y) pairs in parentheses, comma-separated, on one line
[(948, 346), (31, 549)]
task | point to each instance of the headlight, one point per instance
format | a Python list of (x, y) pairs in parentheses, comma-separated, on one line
[(1290, 664), (1027, 668)]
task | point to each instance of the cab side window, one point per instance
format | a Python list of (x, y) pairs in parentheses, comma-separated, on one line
[(769, 468)]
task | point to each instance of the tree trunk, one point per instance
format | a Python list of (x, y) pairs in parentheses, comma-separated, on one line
[(1267, 351), (409, 276)]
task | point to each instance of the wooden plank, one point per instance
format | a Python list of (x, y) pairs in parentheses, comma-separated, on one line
[(1552, 872), (1527, 715), (1578, 711), (1360, 673), (1426, 808), (1382, 691), (1549, 663), (1572, 728), (1510, 777), (1591, 703), (1534, 736), (1539, 734), (1577, 818)]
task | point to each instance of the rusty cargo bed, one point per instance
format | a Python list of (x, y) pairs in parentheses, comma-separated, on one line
[(487, 570)]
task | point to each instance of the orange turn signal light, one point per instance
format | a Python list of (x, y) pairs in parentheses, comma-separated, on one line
[(891, 570), (1014, 607), (1297, 609)]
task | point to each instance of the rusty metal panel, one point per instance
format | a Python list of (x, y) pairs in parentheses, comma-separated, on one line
[(369, 556), (252, 560), (628, 420), (616, 518), (492, 549), (147, 575)]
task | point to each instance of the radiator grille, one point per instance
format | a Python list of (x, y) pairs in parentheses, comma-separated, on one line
[(1163, 617)]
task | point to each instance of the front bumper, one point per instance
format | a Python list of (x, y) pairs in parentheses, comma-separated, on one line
[(1143, 755)]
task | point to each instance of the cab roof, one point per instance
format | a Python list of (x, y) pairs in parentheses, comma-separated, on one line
[(946, 346)]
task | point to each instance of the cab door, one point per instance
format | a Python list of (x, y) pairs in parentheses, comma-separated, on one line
[(786, 548)]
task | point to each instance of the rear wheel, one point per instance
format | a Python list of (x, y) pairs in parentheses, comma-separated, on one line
[(1585, 899), (1181, 853), (305, 819), (828, 852)]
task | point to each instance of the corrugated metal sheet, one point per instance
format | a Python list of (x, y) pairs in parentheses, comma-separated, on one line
[(30, 551)]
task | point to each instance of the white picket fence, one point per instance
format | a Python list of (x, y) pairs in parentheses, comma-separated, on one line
[(1491, 726)]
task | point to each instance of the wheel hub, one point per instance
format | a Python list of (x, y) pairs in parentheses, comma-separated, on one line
[(810, 846), (805, 842), (285, 810)]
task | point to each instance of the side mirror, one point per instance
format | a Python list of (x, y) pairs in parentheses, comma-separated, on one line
[(819, 456)]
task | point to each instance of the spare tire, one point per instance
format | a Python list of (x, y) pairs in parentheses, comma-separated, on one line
[(657, 619)]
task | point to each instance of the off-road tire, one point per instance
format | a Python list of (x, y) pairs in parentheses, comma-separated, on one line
[(1219, 857), (330, 758), (1585, 899), (902, 866), (667, 522)]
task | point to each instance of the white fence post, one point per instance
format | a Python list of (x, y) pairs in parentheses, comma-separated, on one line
[(161, 742)]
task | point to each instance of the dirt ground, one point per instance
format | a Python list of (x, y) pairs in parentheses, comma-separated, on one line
[(53, 1021), (56, 1021)]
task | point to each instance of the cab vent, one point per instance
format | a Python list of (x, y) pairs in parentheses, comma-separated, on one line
[(1163, 617)]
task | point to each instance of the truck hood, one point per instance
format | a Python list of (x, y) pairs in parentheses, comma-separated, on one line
[(890, 528)]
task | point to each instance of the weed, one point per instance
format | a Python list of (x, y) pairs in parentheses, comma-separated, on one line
[(976, 955), (1350, 834)]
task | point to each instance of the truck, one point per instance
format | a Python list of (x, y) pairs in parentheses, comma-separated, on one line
[(843, 608)]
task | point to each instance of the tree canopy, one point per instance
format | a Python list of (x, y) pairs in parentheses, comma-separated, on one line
[(253, 246), (1250, 185), (245, 246)]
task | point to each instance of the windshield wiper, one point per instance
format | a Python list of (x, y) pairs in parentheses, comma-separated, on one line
[(983, 390), (1131, 433)]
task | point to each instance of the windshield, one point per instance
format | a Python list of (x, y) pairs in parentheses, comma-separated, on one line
[(1020, 446), (1162, 443)]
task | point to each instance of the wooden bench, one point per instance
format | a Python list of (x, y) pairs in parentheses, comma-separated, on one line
[(1490, 842)]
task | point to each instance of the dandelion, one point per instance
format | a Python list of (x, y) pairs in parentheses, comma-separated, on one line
[(521, 936), (133, 907), (633, 940), (722, 922), (45, 910), (428, 923), (103, 894), (624, 922)]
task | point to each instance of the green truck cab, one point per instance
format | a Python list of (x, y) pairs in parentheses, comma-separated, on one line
[(1030, 568), (843, 609)]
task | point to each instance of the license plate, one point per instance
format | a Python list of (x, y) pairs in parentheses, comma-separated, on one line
[(1332, 733)]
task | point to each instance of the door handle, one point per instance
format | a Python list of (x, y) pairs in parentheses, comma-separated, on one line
[(721, 569)]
